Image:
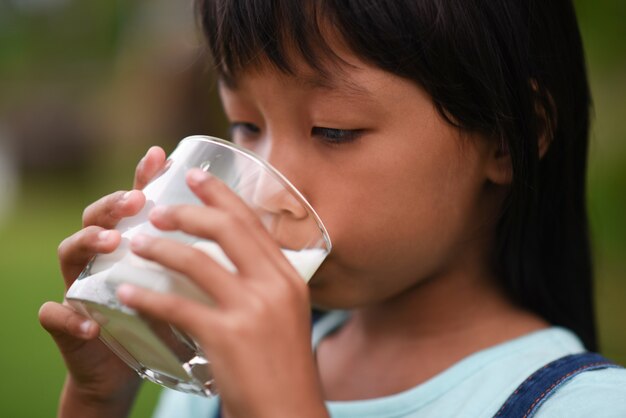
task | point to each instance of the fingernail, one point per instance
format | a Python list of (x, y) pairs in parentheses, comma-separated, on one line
[(125, 292), (141, 162), (197, 176), (104, 235), (86, 326), (139, 241), (126, 196), (157, 211)]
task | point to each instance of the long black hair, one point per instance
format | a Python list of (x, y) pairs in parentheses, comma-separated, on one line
[(512, 70)]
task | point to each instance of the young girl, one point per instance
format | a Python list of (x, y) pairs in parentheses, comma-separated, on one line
[(444, 146)]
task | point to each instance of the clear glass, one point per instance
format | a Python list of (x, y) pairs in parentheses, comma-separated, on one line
[(158, 351)]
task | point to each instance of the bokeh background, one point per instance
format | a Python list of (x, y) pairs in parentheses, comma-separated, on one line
[(87, 86)]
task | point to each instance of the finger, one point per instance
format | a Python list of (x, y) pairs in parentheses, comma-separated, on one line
[(109, 210), (149, 166), (234, 237), (69, 328), (210, 276), (190, 316), (76, 250), (214, 192)]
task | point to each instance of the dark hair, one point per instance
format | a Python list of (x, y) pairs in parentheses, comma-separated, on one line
[(511, 70)]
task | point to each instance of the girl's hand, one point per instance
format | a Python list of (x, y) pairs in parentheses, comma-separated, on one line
[(96, 376), (257, 335)]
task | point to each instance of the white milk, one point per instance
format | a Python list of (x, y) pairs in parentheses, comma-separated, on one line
[(306, 262), (113, 270)]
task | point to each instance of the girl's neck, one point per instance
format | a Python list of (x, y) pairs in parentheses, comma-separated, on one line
[(430, 327)]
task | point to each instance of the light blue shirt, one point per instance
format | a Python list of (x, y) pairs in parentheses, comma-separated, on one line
[(476, 386)]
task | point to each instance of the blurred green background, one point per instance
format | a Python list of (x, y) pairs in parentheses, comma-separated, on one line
[(86, 87)]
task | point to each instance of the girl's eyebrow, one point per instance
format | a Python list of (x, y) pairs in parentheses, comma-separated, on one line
[(333, 84), (318, 82)]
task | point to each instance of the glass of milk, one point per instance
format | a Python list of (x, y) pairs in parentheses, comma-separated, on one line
[(158, 351)]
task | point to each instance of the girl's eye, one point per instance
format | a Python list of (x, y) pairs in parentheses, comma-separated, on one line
[(245, 129), (336, 136)]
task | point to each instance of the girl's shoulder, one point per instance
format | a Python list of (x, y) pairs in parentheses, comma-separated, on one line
[(479, 385), (596, 393)]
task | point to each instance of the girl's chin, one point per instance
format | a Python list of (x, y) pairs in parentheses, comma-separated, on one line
[(327, 297)]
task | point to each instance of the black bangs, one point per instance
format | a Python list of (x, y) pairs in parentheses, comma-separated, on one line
[(412, 39), (246, 34)]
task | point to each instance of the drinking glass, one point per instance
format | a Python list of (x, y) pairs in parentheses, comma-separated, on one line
[(156, 350)]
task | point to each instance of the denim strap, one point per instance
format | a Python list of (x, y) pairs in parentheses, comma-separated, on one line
[(528, 397)]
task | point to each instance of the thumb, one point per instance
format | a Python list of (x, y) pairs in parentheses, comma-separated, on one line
[(69, 329)]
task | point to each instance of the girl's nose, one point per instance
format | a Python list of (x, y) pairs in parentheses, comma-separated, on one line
[(270, 194)]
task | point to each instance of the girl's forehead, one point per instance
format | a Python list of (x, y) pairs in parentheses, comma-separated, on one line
[(368, 90), (309, 81)]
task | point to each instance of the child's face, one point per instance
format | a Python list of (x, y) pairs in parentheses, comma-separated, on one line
[(402, 193)]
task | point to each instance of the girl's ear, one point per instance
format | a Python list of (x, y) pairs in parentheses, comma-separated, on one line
[(499, 167), (545, 111)]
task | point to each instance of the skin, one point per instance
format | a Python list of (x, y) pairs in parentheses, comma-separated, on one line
[(411, 205)]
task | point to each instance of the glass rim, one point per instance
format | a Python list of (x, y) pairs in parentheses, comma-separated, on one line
[(274, 172)]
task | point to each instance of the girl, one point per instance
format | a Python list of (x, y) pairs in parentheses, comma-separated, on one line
[(444, 146)]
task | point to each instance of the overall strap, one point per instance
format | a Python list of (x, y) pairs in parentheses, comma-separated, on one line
[(528, 397)]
